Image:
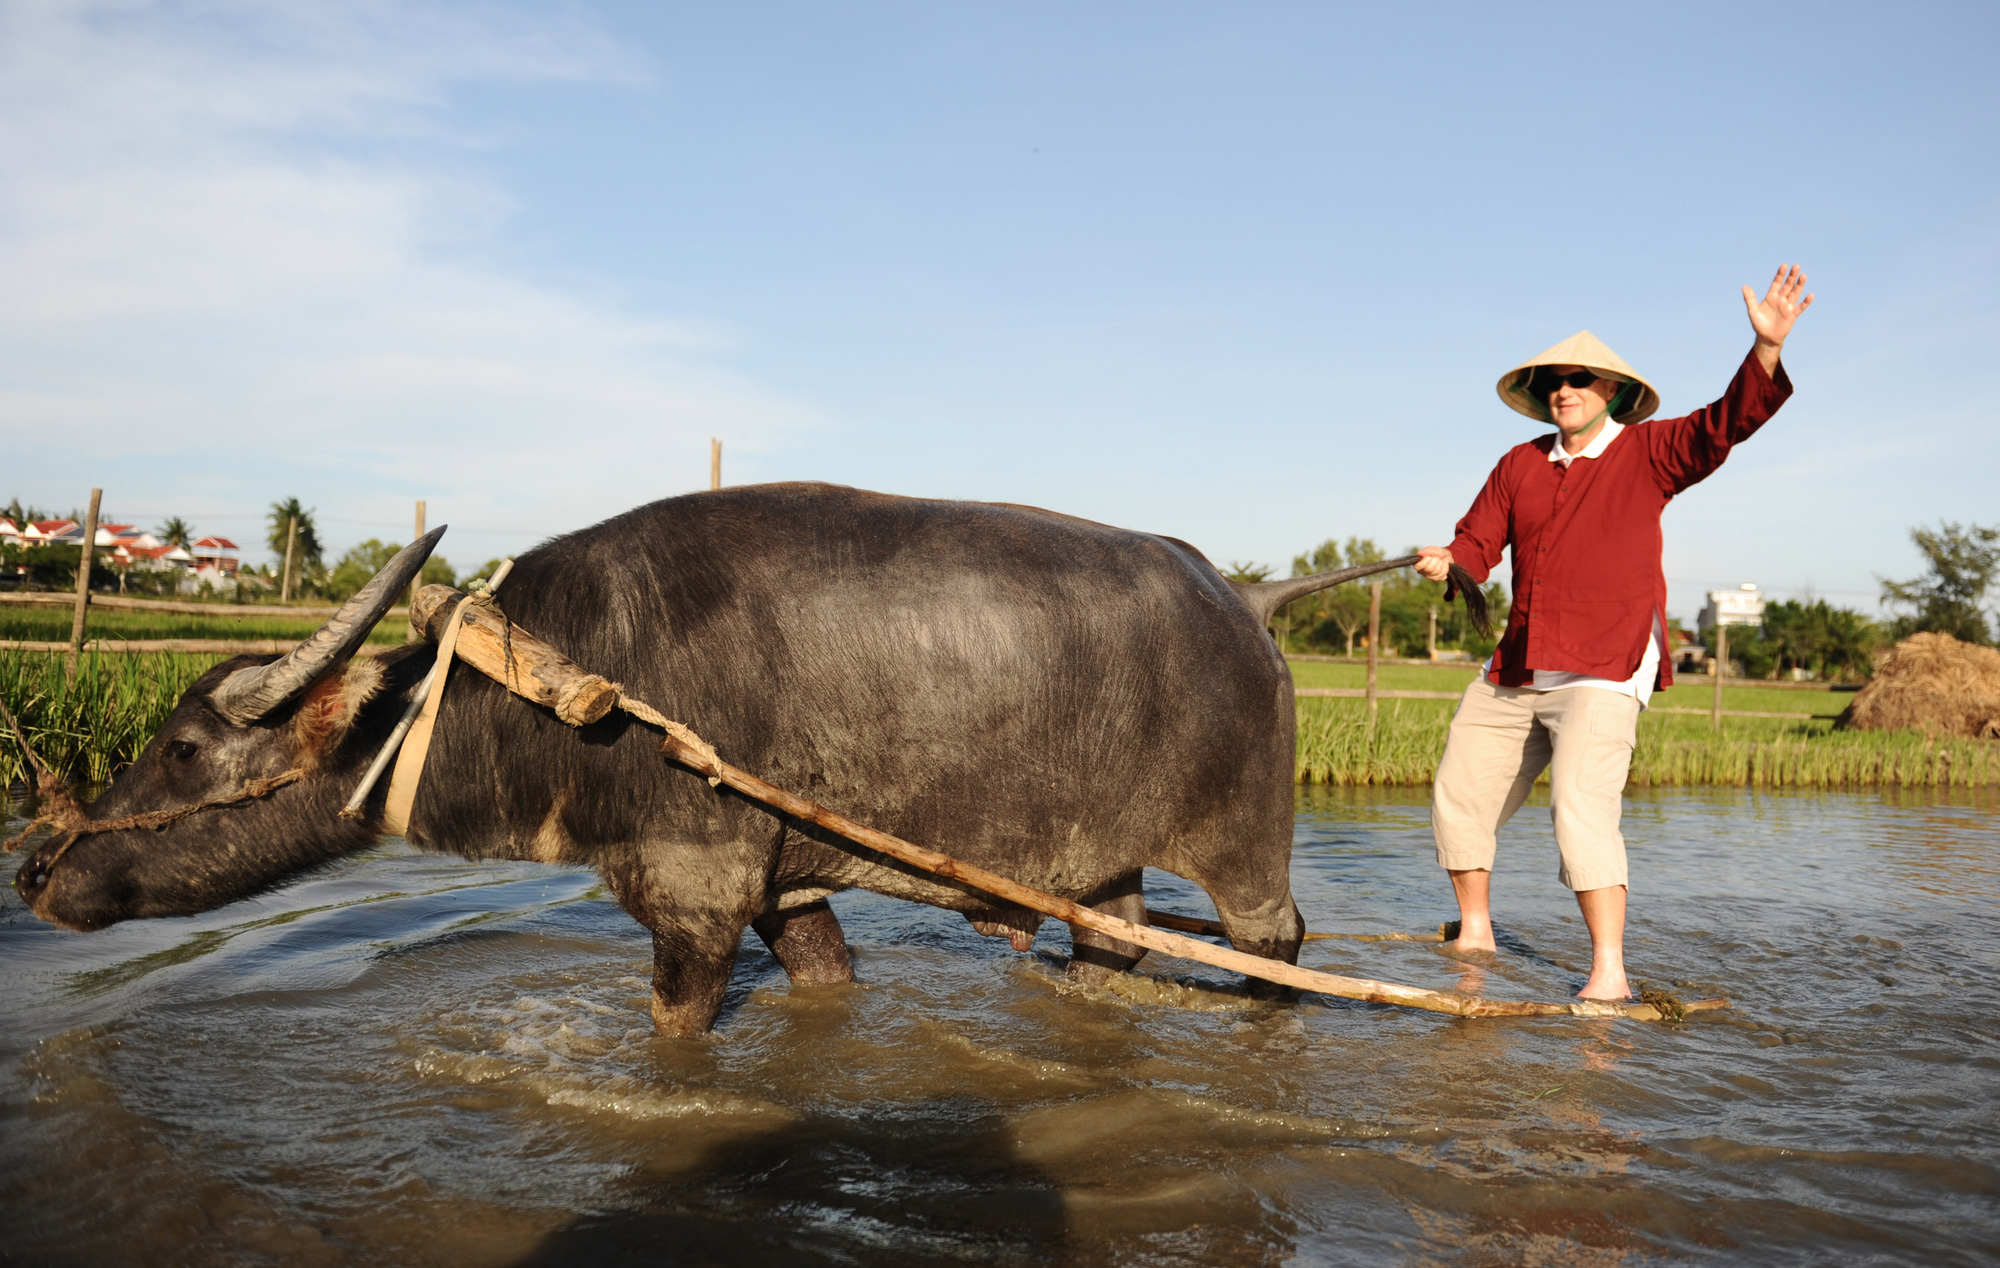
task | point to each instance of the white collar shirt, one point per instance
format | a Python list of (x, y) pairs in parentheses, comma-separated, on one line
[(1595, 449)]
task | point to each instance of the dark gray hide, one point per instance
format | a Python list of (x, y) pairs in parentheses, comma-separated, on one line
[(1059, 701)]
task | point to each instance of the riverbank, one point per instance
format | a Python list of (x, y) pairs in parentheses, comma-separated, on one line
[(96, 726)]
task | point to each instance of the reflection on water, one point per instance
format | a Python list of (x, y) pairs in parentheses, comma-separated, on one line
[(412, 1060)]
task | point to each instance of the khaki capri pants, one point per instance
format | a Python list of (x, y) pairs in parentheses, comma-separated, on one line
[(1501, 739)]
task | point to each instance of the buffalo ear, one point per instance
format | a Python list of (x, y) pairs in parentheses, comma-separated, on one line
[(331, 706)]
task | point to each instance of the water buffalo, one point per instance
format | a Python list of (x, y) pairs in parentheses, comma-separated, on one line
[(1056, 700)]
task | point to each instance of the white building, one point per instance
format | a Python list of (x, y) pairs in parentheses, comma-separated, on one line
[(1741, 606)]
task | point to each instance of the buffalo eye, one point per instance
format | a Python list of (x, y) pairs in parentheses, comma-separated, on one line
[(181, 749)]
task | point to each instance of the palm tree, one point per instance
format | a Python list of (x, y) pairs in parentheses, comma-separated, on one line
[(307, 552), (175, 532)]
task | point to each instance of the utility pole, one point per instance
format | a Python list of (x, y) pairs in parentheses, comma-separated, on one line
[(1374, 646), (714, 465), (418, 580), (1434, 632), (1721, 667), (291, 542), (83, 585)]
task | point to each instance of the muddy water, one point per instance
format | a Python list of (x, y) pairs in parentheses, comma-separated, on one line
[(411, 1060)]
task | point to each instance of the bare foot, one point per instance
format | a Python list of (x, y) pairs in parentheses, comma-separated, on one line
[(1606, 985), (1473, 935)]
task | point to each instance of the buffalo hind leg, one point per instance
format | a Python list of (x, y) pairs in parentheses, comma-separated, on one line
[(809, 942), (1095, 957)]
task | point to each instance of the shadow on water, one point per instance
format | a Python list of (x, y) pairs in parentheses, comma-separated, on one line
[(937, 1182)]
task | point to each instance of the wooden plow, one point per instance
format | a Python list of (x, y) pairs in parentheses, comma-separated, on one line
[(530, 668)]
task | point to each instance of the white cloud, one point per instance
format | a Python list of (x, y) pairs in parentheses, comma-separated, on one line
[(203, 262)]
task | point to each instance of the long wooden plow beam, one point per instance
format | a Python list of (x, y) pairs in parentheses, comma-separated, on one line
[(534, 670)]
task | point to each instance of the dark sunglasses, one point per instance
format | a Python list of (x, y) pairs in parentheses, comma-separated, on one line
[(1547, 381)]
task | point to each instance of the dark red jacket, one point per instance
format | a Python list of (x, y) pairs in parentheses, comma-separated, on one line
[(1586, 538)]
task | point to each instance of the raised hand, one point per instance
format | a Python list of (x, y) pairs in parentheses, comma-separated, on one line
[(1773, 317)]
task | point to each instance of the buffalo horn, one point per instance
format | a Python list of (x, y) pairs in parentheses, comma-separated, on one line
[(250, 693)]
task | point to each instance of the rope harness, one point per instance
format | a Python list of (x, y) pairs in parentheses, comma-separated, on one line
[(60, 811)]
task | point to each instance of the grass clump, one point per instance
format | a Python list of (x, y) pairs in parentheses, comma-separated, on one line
[(1334, 747), (92, 727)]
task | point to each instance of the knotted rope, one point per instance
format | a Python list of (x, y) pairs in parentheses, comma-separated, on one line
[(58, 809), (683, 744)]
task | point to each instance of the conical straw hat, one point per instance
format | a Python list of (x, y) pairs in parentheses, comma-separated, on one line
[(1588, 351)]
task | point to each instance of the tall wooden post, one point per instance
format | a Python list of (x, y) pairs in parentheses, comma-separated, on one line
[(714, 464), (1721, 668), (83, 584), (416, 582), (291, 542), (1434, 632), (1374, 645)]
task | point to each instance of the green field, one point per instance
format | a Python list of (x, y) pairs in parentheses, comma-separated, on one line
[(1673, 749), (51, 624), (93, 727)]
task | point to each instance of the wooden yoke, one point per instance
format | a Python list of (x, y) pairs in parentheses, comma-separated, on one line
[(514, 658)]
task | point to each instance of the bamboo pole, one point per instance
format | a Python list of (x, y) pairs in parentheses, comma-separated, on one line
[(1364, 989), (83, 563), (291, 540), (1213, 928)]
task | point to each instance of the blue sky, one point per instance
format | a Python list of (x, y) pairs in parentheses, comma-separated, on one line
[(1243, 274)]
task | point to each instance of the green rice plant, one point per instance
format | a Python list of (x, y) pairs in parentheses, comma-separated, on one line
[(90, 728), (1336, 745), (1809, 759)]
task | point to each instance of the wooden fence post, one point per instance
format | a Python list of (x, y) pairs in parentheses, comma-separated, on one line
[(291, 539), (1374, 645), (416, 582), (714, 464), (83, 585), (1721, 669)]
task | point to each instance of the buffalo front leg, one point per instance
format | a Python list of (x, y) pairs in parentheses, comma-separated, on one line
[(690, 977), (809, 942), (1272, 929), (1095, 957)]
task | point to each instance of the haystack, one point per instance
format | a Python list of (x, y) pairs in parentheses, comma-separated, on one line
[(1935, 683)]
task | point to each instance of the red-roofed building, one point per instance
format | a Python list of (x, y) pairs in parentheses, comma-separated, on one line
[(219, 553)]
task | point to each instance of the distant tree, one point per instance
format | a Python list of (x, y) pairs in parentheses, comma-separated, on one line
[(1346, 606), (175, 532), (1964, 561), (1334, 618), (308, 555), (1836, 644), (25, 514), (360, 564), (1249, 574)]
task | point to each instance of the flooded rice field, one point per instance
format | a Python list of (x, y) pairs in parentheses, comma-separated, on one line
[(405, 1059)]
